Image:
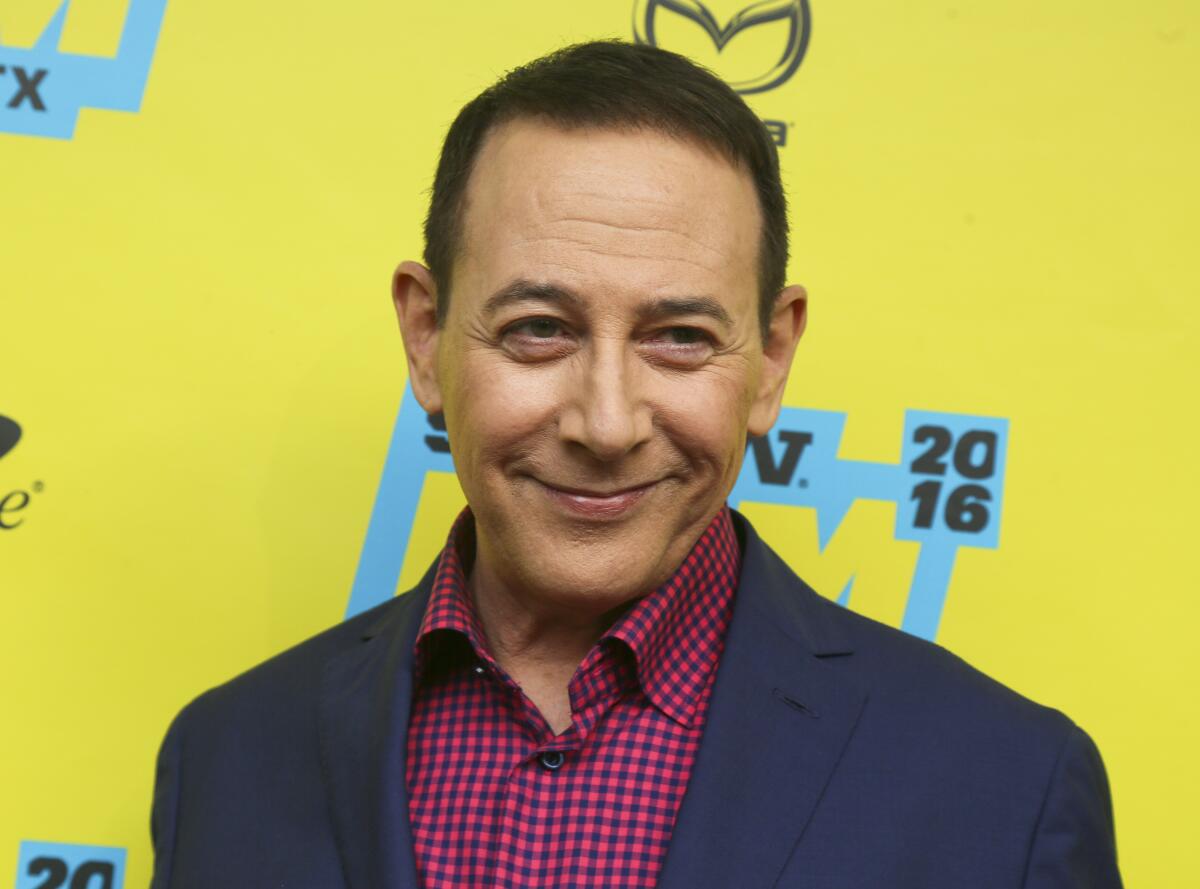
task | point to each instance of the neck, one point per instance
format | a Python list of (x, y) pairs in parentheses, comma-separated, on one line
[(538, 643), (521, 627)]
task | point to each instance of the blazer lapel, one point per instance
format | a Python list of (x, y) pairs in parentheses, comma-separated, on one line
[(780, 717), (366, 696)]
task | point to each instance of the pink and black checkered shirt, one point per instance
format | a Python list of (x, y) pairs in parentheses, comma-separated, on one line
[(496, 799)]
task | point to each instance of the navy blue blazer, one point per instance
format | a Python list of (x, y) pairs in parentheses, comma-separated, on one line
[(839, 754)]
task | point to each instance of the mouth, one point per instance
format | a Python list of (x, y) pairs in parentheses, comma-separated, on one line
[(596, 504)]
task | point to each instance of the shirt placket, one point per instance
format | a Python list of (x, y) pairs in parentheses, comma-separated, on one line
[(539, 806)]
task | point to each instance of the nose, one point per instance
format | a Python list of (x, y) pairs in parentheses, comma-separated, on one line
[(605, 413)]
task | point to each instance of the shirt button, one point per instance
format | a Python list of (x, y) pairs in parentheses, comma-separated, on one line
[(552, 759)]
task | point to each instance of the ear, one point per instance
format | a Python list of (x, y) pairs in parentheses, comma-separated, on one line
[(788, 320), (415, 296)]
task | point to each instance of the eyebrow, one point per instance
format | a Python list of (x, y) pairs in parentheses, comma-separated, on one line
[(673, 307), (522, 290)]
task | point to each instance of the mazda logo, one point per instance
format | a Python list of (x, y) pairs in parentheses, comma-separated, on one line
[(794, 12)]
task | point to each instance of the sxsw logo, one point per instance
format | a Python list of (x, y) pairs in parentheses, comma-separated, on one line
[(42, 89), (66, 866), (787, 20), (947, 490)]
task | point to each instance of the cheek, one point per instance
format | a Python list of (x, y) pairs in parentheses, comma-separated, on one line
[(497, 410), (705, 415)]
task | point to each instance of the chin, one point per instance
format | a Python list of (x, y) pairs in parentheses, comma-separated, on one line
[(596, 590), (610, 562)]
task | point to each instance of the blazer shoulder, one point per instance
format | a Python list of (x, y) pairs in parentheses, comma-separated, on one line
[(910, 680), (286, 684), (925, 677)]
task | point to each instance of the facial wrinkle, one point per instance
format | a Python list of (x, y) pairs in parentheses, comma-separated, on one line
[(590, 247), (639, 228)]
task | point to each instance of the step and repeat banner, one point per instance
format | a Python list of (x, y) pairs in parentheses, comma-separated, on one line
[(208, 451)]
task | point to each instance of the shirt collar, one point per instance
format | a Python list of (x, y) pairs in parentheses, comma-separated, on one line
[(675, 633)]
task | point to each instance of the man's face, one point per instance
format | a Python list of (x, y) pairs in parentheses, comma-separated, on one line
[(601, 360)]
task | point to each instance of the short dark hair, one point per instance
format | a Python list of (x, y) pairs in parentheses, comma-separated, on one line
[(607, 83)]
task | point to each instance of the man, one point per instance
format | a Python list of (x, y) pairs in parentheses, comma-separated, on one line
[(607, 679)]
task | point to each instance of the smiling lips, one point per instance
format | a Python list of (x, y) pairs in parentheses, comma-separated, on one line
[(596, 504)]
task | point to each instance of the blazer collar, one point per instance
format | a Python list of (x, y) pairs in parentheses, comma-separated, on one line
[(365, 700), (780, 717), (782, 713)]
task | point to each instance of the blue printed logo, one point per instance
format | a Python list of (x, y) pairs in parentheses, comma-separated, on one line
[(42, 89), (65, 866), (947, 489)]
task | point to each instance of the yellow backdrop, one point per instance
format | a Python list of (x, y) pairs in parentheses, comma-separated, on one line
[(993, 208)]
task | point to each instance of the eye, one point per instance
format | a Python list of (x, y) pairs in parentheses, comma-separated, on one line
[(685, 336), (682, 347), (537, 339), (537, 328)]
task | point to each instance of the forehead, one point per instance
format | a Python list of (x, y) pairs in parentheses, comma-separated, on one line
[(608, 209)]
